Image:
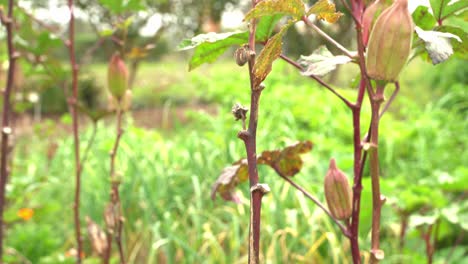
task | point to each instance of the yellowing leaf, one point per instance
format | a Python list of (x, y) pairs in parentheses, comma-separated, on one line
[(137, 53), (268, 55), (294, 8), (325, 10), (286, 161)]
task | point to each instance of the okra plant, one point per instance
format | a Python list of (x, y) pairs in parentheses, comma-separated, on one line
[(385, 45)]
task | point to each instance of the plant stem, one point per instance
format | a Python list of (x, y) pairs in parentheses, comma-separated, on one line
[(320, 81), (73, 108), (116, 228), (377, 199), (6, 115), (344, 230), (249, 137), (89, 144), (358, 167), (327, 37)]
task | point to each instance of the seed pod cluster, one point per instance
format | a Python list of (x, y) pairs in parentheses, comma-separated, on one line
[(390, 42), (117, 77), (338, 192)]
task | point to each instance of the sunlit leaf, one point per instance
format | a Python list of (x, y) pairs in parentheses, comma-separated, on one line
[(325, 10), (445, 8), (106, 32), (423, 18), (265, 27), (286, 161), (437, 44), (230, 177), (421, 220), (268, 55), (321, 62), (208, 47), (294, 8)]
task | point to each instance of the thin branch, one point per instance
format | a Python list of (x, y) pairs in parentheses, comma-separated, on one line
[(89, 144), (317, 79), (42, 24), (328, 38), (344, 230), (115, 229), (73, 105), (6, 130), (390, 101)]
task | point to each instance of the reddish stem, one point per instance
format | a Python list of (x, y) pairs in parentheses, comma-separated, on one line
[(6, 115), (74, 111), (358, 167), (249, 138)]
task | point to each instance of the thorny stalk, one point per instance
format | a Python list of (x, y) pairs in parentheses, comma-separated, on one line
[(6, 149), (73, 106)]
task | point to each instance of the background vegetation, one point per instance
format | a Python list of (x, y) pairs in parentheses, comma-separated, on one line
[(181, 134)]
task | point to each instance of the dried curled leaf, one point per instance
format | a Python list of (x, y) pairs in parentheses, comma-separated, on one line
[(286, 161), (230, 177)]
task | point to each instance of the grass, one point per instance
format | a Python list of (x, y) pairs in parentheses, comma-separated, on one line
[(167, 175)]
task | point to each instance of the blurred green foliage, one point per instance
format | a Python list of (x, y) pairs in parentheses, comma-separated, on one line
[(168, 173)]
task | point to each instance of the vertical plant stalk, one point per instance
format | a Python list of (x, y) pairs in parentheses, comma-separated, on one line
[(377, 200), (249, 137), (73, 101), (358, 166), (6, 129), (114, 230)]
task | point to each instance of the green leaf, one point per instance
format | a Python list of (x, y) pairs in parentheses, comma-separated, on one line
[(210, 46), (106, 32), (294, 8), (321, 62), (115, 6), (423, 18), (119, 6), (325, 10), (268, 55), (460, 48), (445, 8), (437, 44), (265, 27)]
